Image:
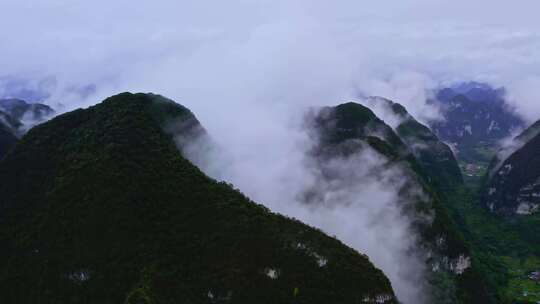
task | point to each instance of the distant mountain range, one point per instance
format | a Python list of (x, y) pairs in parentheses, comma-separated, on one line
[(513, 182), (16, 117), (475, 118)]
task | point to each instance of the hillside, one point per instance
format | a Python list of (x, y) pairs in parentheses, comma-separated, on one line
[(434, 156), (513, 186), (351, 128), (106, 210), (500, 218)]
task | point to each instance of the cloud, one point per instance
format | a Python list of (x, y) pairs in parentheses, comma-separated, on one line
[(310, 52), (361, 199), (524, 95)]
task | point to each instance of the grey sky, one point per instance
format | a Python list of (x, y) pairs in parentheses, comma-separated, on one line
[(309, 52)]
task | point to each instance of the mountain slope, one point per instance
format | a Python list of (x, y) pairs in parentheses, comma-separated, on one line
[(435, 157), (504, 219), (348, 128), (106, 210), (514, 185), (351, 128)]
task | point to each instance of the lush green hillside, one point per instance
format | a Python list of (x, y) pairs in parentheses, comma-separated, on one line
[(504, 250), (504, 237), (434, 156), (507, 249), (504, 246), (347, 129), (512, 185), (99, 206), (505, 216)]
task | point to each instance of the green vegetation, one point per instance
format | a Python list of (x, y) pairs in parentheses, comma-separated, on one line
[(474, 163), (477, 153), (351, 120), (521, 286), (98, 206), (507, 243), (346, 129), (506, 249), (435, 157)]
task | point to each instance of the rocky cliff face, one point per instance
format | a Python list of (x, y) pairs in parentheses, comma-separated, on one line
[(513, 185)]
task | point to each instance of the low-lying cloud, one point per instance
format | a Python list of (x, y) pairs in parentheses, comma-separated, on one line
[(360, 198)]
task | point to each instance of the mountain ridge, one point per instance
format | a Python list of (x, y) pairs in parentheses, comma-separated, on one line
[(107, 209)]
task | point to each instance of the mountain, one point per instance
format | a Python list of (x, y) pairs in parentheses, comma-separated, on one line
[(494, 215), (475, 118), (435, 157), (513, 186), (504, 250), (21, 110), (99, 206), (16, 117), (354, 121), (8, 133), (504, 214), (342, 131), (350, 128)]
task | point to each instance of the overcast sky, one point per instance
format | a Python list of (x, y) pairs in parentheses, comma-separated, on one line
[(281, 52)]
